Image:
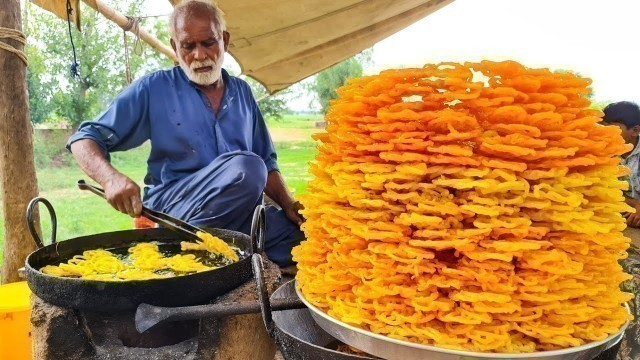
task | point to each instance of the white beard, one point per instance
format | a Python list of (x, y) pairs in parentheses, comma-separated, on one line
[(202, 78)]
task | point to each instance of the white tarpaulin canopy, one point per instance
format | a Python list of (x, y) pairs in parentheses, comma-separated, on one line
[(280, 42)]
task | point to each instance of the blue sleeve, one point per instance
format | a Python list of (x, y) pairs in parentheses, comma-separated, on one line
[(123, 125), (262, 144)]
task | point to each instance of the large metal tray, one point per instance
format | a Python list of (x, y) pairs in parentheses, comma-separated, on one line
[(392, 349)]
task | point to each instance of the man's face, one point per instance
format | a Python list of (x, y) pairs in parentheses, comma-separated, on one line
[(200, 48), (628, 134)]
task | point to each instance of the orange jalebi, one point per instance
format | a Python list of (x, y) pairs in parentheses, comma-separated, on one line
[(472, 206)]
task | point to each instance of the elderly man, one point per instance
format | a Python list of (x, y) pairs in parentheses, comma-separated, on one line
[(211, 154), (626, 115)]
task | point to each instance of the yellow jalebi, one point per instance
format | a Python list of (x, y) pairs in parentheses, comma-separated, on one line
[(143, 262), (186, 263), (212, 244), (471, 206), (91, 262)]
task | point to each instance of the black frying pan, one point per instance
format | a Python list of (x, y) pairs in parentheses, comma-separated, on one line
[(95, 295), (286, 318)]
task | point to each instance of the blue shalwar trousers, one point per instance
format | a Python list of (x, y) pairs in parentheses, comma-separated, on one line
[(224, 195)]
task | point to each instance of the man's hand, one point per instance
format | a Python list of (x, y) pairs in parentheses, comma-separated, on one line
[(123, 194), (278, 192), (292, 212), (633, 220)]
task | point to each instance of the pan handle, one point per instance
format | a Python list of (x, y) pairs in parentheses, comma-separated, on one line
[(263, 295), (31, 222), (258, 230)]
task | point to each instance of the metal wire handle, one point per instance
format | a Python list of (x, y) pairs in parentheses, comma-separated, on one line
[(31, 208), (258, 230), (263, 295)]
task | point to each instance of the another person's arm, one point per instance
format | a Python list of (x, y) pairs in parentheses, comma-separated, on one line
[(633, 220), (278, 192), (631, 201)]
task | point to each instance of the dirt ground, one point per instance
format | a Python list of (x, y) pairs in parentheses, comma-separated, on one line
[(289, 134)]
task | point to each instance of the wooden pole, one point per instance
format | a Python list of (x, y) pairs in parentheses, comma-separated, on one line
[(122, 21), (17, 170)]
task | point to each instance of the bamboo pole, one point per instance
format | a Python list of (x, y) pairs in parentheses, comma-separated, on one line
[(122, 21), (17, 170)]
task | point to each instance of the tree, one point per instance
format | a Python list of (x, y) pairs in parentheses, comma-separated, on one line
[(40, 105), (100, 53), (326, 82), (271, 106), (590, 95), (17, 171), (38, 88)]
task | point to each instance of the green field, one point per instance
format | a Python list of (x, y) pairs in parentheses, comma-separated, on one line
[(81, 213)]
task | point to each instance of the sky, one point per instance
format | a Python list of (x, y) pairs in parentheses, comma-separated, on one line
[(599, 39)]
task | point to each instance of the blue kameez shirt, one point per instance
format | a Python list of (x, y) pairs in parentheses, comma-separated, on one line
[(186, 135)]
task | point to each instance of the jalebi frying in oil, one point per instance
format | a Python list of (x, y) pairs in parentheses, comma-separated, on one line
[(144, 261)]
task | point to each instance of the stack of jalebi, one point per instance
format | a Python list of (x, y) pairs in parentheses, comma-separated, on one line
[(471, 206)]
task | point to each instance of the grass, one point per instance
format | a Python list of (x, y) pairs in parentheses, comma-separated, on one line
[(295, 121), (82, 213), (293, 159)]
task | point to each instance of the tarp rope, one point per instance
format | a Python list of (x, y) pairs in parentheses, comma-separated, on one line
[(75, 67), (133, 25), (13, 34)]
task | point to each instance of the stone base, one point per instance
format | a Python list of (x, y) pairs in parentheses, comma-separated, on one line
[(61, 333)]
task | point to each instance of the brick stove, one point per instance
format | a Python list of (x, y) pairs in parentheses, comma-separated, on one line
[(63, 333)]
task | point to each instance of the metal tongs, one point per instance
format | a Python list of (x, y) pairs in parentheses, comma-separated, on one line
[(163, 219)]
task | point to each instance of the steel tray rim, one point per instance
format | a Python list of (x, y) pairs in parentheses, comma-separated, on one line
[(425, 349)]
